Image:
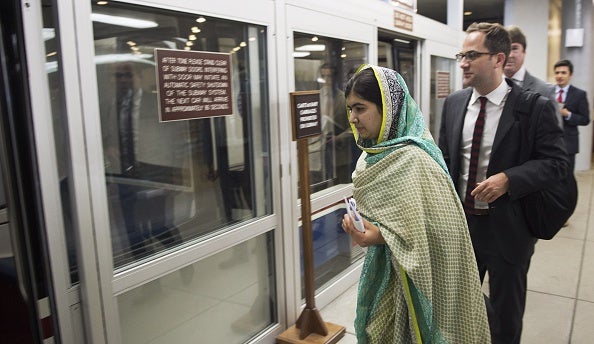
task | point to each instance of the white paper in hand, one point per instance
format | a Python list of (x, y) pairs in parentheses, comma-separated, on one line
[(351, 206)]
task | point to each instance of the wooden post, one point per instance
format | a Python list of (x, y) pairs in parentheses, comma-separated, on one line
[(309, 328), (310, 320)]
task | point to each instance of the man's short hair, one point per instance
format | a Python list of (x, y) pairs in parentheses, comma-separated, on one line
[(496, 37), (516, 35), (564, 63)]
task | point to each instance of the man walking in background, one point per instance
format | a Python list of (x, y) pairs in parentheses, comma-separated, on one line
[(515, 68), (575, 110)]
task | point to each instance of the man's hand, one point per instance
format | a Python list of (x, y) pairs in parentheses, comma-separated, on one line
[(492, 188)]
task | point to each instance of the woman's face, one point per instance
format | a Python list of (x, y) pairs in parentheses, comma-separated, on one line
[(365, 116)]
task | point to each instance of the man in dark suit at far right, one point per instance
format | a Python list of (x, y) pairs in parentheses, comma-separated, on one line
[(574, 108)]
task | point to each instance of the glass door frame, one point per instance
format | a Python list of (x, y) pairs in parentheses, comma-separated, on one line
[(63, 292), (431, 48), (341, 28), (94, 241)]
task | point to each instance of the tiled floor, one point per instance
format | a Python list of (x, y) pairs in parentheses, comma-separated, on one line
[(560, 304)]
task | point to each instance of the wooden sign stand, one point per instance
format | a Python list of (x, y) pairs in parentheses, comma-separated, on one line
[(309, 328)]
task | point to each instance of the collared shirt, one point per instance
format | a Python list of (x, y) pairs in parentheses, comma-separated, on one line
[(518, 78), (563, 96), (495, 102)]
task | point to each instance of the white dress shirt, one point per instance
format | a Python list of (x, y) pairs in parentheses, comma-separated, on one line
[(495, 102), (563, 96), (518, 78)]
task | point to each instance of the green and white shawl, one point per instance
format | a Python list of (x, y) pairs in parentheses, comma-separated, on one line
[(422, 286)]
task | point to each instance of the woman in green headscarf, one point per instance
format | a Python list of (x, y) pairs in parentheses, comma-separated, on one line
[(419, 282)]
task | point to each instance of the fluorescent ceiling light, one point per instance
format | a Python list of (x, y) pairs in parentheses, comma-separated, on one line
[(301, 54), (116, 58), (311, 47), (123, 21)]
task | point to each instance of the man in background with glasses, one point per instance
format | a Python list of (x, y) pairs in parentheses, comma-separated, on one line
[(480, 141)]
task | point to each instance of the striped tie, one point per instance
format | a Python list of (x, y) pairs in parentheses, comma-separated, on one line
[(477, 136)]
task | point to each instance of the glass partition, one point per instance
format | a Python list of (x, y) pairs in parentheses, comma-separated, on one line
[(221, 299), (326, 64), (333, 250), (170, 182), (443, 71), (398, 53)]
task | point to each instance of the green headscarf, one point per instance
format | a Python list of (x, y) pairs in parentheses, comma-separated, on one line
[(402, 121)]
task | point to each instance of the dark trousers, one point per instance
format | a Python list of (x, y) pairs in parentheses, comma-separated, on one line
[(507, 283)]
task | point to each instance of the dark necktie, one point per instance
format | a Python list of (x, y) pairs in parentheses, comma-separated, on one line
[(560, 96), (127, 158), (475, 149)]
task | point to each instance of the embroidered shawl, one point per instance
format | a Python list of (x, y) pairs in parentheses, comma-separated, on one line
[(422, 286)]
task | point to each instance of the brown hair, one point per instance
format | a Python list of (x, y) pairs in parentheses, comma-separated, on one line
[(496, 37), (516, 35)]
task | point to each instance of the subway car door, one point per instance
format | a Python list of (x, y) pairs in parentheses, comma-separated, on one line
[(32, 299), (182, 226)]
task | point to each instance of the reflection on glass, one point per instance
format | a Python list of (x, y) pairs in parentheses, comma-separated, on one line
[(333, 249), (446, 67), (326, 64), (226, 298), (398, 54), (170, 182)]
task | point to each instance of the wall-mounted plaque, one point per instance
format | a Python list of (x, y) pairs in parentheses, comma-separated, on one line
[(193, 84)]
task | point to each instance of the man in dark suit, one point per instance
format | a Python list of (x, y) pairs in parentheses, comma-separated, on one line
[(515, 68), (479, 138), (575, 110)]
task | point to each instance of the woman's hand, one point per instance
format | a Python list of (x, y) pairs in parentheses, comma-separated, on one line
[(371, 236)]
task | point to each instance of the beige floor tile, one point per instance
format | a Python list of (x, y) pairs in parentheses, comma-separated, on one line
[(586, 289), (578, 223), (583, 331), (342, 310), (547, 319), (348, 339), (550, 274)]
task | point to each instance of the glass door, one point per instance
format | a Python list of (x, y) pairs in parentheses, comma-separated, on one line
[(323, 58), (33, 281), (174, 186), (326, 64), (398, 53)]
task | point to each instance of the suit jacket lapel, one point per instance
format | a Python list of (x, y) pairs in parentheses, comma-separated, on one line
[(569, 95), (458, 123), (528, 81), (456, 107), (507, 118)]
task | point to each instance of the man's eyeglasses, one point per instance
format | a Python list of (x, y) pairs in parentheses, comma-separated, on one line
[(471, 55)]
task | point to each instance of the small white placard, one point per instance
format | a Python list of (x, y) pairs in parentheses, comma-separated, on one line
[(574, 38)]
